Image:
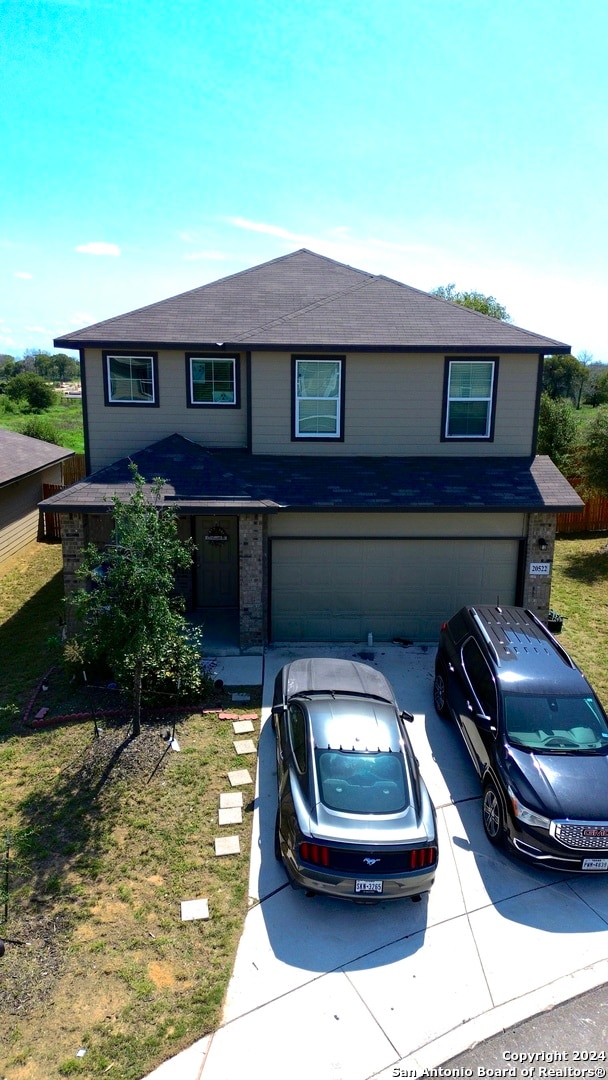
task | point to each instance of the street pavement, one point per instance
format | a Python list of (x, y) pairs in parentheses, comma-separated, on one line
[(329, 990), (571, 1037)]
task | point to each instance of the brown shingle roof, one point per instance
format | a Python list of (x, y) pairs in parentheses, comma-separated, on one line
[(305, 300), (199, 480), (21, 456)]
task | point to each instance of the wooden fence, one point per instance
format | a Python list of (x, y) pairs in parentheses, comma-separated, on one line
[(72, 470), (594, 518)]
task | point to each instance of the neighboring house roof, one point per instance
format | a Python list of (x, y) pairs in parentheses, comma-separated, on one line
[(21, 456), (305, 300), (199, 480)]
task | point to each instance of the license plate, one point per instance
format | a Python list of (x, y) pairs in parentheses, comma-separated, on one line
[(370, 886), (595, 864)]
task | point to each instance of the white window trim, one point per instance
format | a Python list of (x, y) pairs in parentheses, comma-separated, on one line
[(212, 359), (337, 434), (137, 357), (489, 399)]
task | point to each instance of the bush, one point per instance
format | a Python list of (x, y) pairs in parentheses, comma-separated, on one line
[(594, 452), (557, 429), (41, 428), (32, 390)]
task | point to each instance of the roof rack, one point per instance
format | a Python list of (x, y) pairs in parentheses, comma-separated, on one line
[(556, 644), (485, 634)]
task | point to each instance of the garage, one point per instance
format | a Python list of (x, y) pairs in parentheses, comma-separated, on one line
[(344, 589)]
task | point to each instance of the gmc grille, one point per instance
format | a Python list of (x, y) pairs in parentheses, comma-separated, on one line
[(582, 836)]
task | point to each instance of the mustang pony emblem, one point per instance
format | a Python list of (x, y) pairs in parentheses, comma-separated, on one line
[(371, 862)]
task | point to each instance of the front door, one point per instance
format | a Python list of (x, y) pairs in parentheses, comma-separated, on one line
[(217, 561)]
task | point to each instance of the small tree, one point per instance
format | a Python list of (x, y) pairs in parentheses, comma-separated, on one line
[(129, 613), (557, 429), (594, 452), (30, 389)]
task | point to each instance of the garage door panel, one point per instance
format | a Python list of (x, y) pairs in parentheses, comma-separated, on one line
[(340, 590)]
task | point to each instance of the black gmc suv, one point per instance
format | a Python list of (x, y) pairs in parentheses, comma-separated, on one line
[(536, 733)]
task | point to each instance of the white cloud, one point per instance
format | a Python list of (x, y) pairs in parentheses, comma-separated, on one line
[(23, 274), (44, 330), (82, 318), (98, 247), (372, 254), (268, 230)]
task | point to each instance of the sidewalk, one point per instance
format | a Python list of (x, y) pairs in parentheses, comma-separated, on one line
[(335, 991)]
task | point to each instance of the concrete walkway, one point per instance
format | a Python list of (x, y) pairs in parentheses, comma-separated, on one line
[(326, 990)]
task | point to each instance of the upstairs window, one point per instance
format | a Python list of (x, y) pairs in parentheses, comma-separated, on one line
[(130, 379), (212, 380), (470, 398), (318, 397)]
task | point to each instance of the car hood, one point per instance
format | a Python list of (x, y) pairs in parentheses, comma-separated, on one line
[(561, 785)]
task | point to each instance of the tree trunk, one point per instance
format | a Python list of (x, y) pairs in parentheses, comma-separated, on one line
[(137, 699)]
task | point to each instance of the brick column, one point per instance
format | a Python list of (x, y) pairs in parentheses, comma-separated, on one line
[(72, 541), (537, 587), (252, 582)]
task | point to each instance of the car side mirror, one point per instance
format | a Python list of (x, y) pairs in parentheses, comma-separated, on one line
[(407, 716)]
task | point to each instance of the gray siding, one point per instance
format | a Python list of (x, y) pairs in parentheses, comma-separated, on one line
[(116, 431), (393, 406), (397, 525), (19, 511)]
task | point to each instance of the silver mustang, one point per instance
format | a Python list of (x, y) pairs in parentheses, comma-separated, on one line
[(354, 817)]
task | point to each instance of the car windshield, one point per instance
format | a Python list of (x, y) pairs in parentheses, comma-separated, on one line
[(554, 723), (362, 783)]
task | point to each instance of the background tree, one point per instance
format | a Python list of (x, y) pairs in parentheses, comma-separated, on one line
[(564, 377), (476, 301), (130, 616), (57, 367), (594, 452), (31, 390), (597, 386), (557, 430), (8, 367)]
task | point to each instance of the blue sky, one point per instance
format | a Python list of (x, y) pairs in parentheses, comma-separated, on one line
[(148, 147)]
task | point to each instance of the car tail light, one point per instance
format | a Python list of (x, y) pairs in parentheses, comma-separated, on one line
[(421, 857), (314, 853)]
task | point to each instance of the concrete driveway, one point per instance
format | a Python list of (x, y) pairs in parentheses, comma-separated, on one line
[(332, 991)]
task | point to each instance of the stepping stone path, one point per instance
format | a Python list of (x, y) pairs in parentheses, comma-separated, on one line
[(245, 746), (194, 909), (230, 810), (231, 802), (242, 727), (227, 845)]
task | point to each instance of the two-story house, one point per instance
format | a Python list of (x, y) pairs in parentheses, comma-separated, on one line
[(350, 455)]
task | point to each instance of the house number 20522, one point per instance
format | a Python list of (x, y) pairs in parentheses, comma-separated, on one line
[(537, 568)]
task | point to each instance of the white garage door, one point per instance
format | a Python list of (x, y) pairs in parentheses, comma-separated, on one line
[(341, 590)]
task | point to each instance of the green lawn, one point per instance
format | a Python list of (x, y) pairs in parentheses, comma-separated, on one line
[(580, 594), (65, 416)]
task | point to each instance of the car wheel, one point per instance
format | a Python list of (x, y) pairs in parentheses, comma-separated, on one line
[(277, 840), (440, 695), (492, 814)]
